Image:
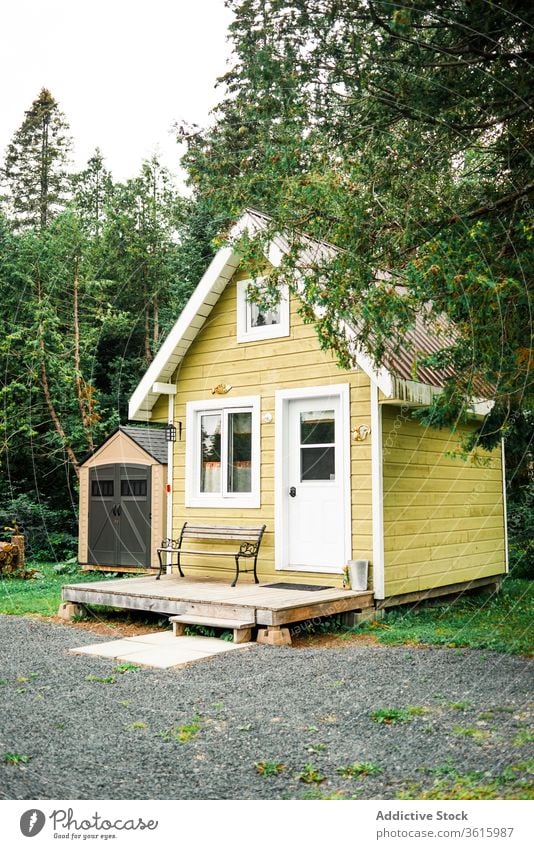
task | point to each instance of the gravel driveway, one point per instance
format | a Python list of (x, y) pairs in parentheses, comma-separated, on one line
[(88, 739)]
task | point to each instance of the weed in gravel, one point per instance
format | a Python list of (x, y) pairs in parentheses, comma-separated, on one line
[(473, 785), (336, 795), (244, 727), (329, 719), (310, 775), (523, 737), (479, 735), (16, 759), (126, 667), (125, 703), (183, 733), (269, 768), (336, 684), (459, 705), (137, 725), (316, 749), (390, 716), (97, 679), (312, 729), (357, 770)]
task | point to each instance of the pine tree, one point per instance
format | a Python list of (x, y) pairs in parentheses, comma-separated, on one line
[(35, 168), (92, 187)]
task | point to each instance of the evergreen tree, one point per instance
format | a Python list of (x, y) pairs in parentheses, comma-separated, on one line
[(35, 168), (91, 189), (401, 133)]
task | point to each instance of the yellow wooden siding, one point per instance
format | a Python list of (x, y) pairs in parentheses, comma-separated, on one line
[(261, 368), (443, 517)]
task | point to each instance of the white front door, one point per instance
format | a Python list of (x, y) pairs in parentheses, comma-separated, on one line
[(314, 484)]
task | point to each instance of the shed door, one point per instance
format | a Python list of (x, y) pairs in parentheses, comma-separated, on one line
[(119, 515)]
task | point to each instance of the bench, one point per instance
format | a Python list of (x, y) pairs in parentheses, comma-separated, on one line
[(249, 540)]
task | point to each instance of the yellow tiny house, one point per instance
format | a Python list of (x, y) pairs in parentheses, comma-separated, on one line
[(271, 430)]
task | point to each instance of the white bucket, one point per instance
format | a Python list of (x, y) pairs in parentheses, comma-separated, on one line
[(358, 573)]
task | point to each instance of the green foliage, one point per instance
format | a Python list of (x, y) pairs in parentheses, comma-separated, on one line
[(269, 768), (183, 733), (521, 532), (390, 716), (357, 770), (35, 164), (50, 532), (16, 759), (42, 594), (401, 135), (502, 622), (311, 775)]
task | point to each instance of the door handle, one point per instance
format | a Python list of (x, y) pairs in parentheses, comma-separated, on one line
[(292, 491), (119, 510), (114, 510)]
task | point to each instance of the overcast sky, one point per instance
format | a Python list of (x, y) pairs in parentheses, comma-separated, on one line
[(122, 71)]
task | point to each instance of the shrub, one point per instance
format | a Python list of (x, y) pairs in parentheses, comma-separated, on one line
[(521, 532), (50, 533)]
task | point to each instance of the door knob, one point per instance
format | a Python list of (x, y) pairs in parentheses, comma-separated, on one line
[(292, 491)]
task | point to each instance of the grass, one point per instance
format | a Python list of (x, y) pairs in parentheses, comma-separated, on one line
[(183, 733), (358, 770), (310, 775), (390, 716), (15, 759), (501, 622), (268, 768), (513, 783), (41, 594)]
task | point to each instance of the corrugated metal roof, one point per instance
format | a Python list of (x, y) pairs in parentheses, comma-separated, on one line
[(403, 360), (150, 439)]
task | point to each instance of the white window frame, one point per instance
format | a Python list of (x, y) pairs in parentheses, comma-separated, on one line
[(193, 496), (246, 333)]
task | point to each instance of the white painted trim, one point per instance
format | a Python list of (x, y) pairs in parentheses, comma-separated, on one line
[(193, 498), (170, 482), (270, 331), (164, 388), (377, 494), (505, 508), (281, 482)]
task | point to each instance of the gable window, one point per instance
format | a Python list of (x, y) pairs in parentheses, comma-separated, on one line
[(223, 453), (255, 322)]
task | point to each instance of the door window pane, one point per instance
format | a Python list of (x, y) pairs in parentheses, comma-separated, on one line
[(318, 464), (210, 453), (239, 477), (133, 488), (317, 427), (102, 489)]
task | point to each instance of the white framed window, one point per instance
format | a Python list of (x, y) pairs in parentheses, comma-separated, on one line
[(223, 453), (256, 323)]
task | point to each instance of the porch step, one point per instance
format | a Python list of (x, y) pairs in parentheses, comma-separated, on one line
[(217, 609), (242, 628)]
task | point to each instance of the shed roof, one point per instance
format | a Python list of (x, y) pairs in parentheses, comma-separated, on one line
[(150, 439)]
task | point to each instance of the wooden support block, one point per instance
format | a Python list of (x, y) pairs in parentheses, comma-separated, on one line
[(178, 629), (242, 635), (274, 635), (68, 611), (354, 617)]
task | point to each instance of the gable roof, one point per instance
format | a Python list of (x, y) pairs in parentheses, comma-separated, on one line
[(150, 439), (396, 380)]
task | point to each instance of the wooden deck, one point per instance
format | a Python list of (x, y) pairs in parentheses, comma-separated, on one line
[(215, 599)]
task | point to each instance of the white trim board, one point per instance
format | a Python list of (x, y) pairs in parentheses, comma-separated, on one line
[(377, 494)]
